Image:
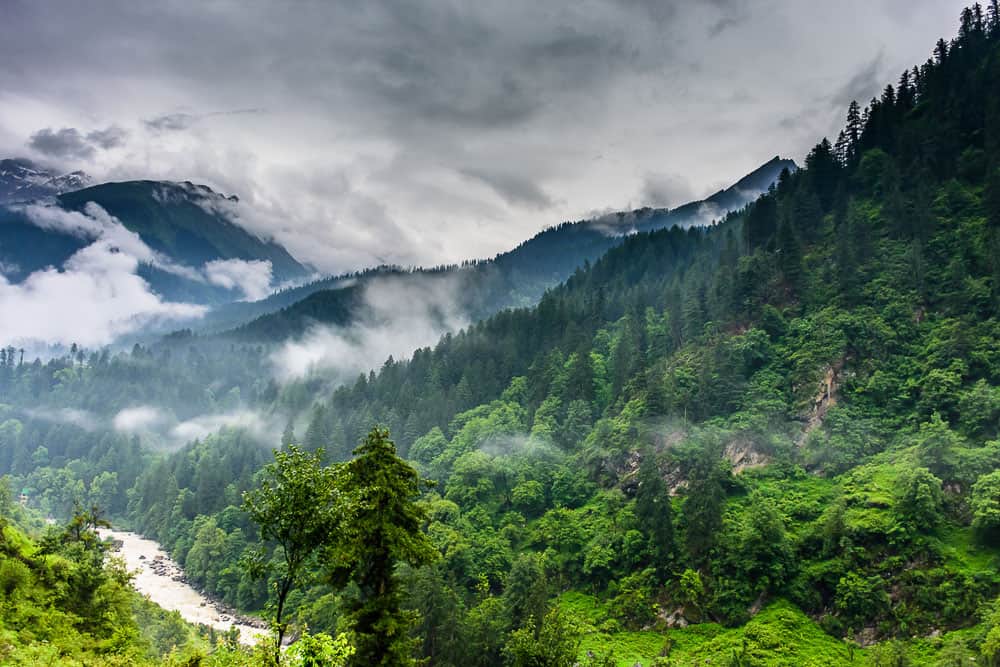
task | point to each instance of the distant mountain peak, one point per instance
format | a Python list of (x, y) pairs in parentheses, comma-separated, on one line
[(23, 180), (766, 174)]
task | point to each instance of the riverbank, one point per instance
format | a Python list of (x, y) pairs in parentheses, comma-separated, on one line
[(159, 578)]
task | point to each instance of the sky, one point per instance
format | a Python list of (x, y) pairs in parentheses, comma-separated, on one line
[(371, 131)]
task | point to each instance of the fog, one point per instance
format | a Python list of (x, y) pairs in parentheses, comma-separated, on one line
[(161, 428), (399, 315), (97, 295)]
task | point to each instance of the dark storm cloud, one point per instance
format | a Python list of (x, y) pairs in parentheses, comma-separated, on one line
[(514, 188), (110, 137), (64, 143), (70, 143), (438, 130)]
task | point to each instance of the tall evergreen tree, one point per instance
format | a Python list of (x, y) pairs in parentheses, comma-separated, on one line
[(655, 514), (853, 131), (383, 530)]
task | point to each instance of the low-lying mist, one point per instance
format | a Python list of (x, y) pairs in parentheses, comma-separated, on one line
[(399, 315), (159, 428), (98, 295)]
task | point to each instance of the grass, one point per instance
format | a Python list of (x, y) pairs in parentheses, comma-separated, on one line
[(960, 550), (780, 635)]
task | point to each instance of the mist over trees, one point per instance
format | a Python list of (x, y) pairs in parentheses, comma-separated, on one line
[(769, 441)]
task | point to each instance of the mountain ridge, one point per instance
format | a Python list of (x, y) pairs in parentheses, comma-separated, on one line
[(515, 278), (190, 225), (24, 180)]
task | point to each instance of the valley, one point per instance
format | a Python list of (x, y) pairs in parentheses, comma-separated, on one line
[(761, 428)]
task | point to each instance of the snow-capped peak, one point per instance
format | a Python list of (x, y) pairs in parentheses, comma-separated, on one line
[(23, 180)]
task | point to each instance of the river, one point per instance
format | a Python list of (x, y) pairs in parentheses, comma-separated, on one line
[(160, 578)]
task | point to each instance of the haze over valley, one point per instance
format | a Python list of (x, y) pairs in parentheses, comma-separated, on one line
[(592, 334)]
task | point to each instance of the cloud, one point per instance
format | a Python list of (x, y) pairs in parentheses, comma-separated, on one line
[(866, 83), (108, 138), (265, 430), (510, 444), (666, 190), (708, 213), (170, 122), (97, 295), (69, 143), (94, 223), (398, 316), (83, 419), (514, 188), (158, 427), (64, 143), (734, 13), (138, 419), (178, 121), (437, 131), (253, 278)]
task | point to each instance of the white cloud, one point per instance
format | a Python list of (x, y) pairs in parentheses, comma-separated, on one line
[(81, 418), (253, 278), (97, 224), (138, 419), (96, 296), (438, 131), (399, 316), (200, 427), (159, 427)]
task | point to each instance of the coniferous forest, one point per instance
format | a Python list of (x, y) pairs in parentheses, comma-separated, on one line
[(773, 440)]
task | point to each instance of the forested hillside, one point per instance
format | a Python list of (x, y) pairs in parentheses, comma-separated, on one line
[(769, 441), (516, 278), (190, 227), (64, 603)]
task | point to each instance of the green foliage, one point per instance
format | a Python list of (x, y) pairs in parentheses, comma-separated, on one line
[(555, 644), (654, 514), (919, 500), (382, 527), (810, 386), (985, 502), (297, 507), (319, 650)]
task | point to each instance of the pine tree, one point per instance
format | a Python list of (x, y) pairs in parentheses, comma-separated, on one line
[(288, 435), (790, 254), (655, 513), (842, 148), (383, 529), (940, 52), (701, 513), (905, 96), (853, 131)]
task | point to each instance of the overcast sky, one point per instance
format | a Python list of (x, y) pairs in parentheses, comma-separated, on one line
[(365, 131)]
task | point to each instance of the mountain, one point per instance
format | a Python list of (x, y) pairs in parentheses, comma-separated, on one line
[(23, 180), (770, 441), (515, 278), (189, 225)]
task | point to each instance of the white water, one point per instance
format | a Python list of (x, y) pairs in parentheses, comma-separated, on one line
[(155, 576)]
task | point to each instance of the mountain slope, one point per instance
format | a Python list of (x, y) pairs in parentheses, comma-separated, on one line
[(515, 278), (812, 386), (189, 225), (23, 180), (786, 423)]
